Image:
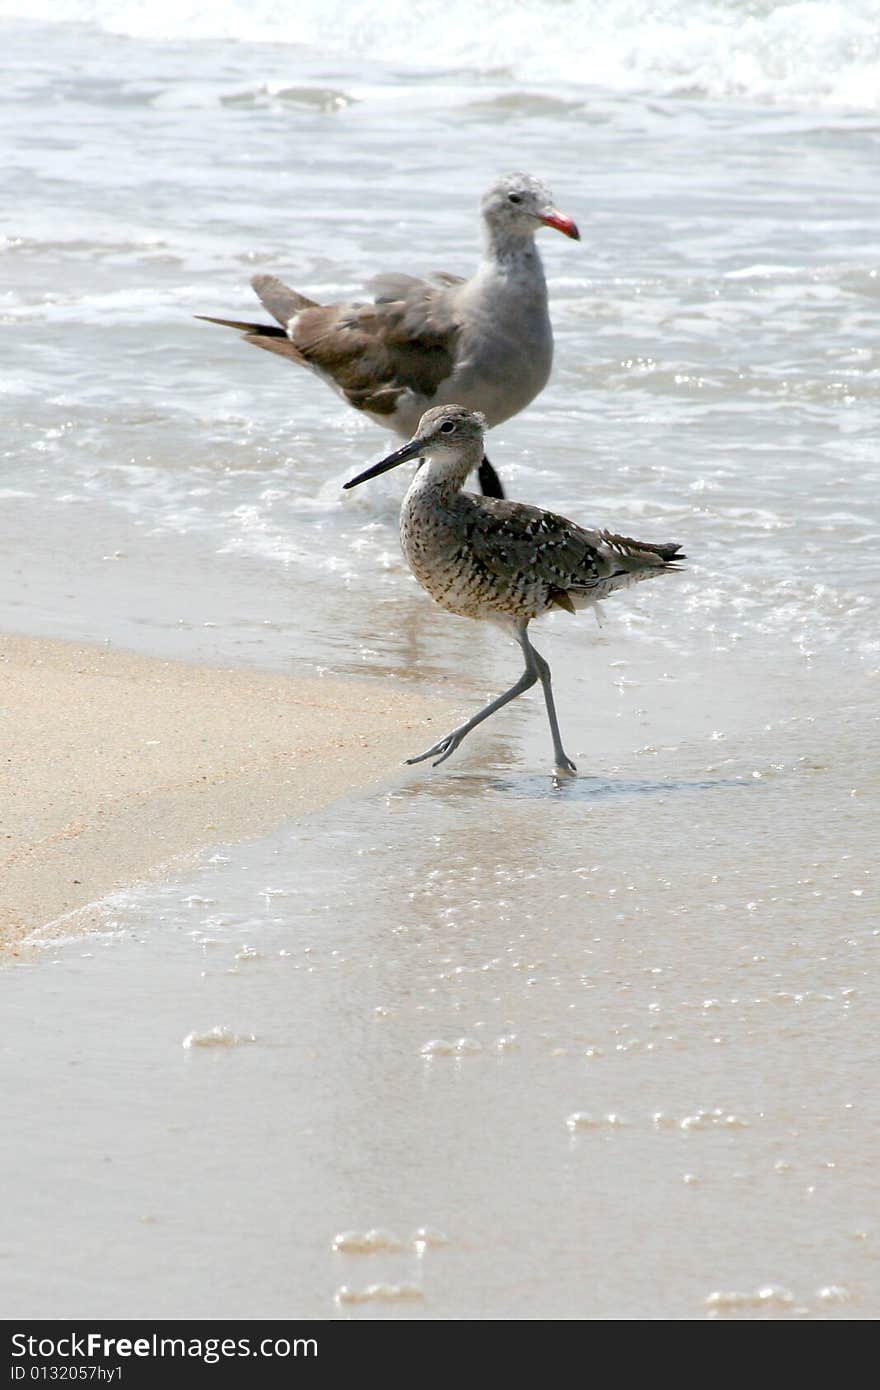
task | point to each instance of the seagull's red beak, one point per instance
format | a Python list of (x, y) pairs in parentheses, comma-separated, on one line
[(563, 224)]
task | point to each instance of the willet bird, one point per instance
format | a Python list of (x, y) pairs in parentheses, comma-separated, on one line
[(484, 342), (502, 561)]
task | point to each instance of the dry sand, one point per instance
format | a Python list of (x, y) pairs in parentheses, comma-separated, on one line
[(117, 765)]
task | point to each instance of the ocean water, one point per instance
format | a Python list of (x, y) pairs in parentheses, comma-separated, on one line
[(686, 931)]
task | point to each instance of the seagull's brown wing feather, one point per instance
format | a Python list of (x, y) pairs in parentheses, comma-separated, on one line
[(375, 352), (405, 340), (282, 302)]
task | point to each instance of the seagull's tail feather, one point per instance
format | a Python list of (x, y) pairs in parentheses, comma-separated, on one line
[(263, 335), (268, 329)]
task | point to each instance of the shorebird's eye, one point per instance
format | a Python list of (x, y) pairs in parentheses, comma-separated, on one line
[(514, 197), (447, 427)]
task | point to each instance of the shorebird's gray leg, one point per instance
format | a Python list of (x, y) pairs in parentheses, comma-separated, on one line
[(490, 483), (448, 745), (534, 660), (536, 669)]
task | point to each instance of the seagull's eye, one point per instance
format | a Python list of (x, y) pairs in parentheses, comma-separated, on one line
[(514, 197), (447, 427)]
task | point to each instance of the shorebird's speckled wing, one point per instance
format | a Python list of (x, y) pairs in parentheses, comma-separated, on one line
[(512, 539)]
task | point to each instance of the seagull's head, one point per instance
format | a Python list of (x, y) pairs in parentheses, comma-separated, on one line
[(518, 205), (448, 434)]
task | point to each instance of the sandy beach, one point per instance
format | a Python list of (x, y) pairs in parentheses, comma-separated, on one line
[(118, 764)]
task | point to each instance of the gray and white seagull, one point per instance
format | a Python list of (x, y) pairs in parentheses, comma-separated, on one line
[(485, 343), (500, 561)]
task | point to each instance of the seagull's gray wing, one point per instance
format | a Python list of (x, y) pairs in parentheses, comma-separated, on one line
[(391, 285)]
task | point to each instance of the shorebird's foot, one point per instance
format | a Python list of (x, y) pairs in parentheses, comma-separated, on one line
[(444, 747), (565, 767)]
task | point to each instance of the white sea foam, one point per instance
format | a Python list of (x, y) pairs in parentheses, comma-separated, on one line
[(809, 52)]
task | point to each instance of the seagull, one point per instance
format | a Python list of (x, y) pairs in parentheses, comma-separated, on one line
[(502, 562), (485, 342)]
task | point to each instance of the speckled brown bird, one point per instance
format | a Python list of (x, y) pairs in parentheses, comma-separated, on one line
[(484, 342), (501, 561)]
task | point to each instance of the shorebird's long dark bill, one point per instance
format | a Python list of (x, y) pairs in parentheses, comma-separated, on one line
[(409, 451)]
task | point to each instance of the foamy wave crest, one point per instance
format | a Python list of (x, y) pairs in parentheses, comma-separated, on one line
[(804, 52)]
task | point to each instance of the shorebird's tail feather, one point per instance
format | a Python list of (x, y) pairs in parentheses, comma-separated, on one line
[(631, 549), (624, 562)]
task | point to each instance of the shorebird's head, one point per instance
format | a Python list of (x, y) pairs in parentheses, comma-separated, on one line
[(517, 205), (448, 434)]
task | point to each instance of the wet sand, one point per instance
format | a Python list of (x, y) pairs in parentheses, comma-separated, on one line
[(117, 765)]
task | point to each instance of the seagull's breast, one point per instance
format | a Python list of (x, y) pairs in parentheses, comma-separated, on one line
[(505, 346)]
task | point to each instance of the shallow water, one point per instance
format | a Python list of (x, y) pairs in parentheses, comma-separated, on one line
[(684, 930)]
